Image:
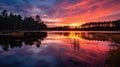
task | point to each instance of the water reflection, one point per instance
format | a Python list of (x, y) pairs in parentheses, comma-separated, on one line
[(60, 49), (113, 59), (28, 38), (112, 37), (113, 56), (76, 44)]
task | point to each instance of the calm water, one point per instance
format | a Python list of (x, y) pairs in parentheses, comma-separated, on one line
[(60, 49)]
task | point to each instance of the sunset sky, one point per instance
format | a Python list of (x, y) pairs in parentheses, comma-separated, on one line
[(65, 12)]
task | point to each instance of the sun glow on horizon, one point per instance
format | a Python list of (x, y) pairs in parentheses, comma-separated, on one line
[(75, 24), (51, 20)]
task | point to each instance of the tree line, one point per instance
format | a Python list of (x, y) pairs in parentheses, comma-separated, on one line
[(13, 22), (106, 25), (92, 26)]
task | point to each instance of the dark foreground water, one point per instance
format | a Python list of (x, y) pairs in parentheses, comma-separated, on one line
[(60, 49)]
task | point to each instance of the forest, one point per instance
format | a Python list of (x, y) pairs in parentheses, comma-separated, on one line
[(13, 22), (92, 26), (105, 25)]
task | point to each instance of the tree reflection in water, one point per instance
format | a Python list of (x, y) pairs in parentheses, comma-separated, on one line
[(76, 44), (112, 37), (113, 55), (29, 38), (76, 39), (113, 59)]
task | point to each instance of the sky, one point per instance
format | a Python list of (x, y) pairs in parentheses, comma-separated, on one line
[(65, 12)]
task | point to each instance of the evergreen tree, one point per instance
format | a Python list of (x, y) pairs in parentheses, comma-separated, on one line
[(15, 22)]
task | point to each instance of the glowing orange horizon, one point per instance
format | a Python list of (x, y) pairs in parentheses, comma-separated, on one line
[(82, 12)]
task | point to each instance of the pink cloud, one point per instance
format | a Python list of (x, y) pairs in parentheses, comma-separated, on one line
[(86, 11)]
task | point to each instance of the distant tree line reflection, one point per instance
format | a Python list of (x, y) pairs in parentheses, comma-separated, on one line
[(112, 37), (113, 55), (29, 38)]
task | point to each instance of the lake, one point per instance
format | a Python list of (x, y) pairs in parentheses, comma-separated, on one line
[(60, 49)]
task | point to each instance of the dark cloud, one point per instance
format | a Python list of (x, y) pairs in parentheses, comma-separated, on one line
[(95, 7)]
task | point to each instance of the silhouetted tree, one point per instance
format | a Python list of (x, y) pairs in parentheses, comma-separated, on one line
[(4, 13), (14, 22), (38, 18)]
